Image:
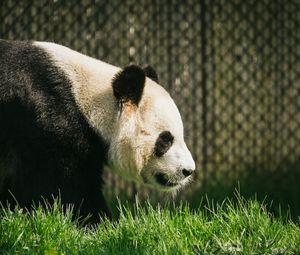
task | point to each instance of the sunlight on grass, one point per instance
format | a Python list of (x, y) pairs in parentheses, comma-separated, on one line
[(233, 227)]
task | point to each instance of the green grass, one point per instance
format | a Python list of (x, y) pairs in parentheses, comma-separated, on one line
[(234, 227)]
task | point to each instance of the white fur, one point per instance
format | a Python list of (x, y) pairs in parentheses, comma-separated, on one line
[(91, 80), (132, 134)]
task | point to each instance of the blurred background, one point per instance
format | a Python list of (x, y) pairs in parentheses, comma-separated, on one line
[(232, 67)]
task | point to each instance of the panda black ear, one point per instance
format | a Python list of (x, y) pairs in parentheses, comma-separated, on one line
[(151, 73), (128, 84)]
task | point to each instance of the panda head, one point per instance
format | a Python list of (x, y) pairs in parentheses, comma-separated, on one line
[(148, 143)]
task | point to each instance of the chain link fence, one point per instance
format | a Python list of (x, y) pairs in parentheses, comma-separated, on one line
[(232, 66)]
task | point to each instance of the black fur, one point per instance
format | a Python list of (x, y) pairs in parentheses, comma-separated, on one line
[(128, 84), (163, 143), (151, 73), (45, 140)]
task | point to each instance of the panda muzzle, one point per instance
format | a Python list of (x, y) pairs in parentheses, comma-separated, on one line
[(164, 180)]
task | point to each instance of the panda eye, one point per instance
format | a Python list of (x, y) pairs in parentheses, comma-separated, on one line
[(163, 143)]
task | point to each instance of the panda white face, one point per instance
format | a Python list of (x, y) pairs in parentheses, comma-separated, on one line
[(149, 144), (170, 164)]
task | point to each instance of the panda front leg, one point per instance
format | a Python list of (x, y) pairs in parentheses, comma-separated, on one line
[(94, 211), (76, 186), (90, 206), (83, 190)]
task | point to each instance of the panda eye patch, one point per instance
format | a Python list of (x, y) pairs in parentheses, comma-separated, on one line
[(163, 143)]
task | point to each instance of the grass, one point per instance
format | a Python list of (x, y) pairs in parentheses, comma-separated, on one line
[(234, 227)]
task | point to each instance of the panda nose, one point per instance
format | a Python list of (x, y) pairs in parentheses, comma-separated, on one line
[(187, 172)]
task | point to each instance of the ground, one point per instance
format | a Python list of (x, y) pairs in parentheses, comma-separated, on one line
[(235, 227)]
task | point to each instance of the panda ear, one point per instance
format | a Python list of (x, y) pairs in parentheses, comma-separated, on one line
[(151, 73), (128, 84)]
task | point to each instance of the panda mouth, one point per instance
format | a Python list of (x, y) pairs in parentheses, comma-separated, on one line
[(164, 180)]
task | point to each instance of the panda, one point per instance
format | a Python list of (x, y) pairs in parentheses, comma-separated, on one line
[(64, 116)]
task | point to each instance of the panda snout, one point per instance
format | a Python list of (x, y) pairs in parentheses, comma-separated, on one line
[(164, 180), (173, 180)]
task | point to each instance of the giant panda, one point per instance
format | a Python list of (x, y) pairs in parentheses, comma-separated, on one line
[(64, 116)]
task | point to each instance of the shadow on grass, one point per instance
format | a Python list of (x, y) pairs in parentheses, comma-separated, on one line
[(278, 189)]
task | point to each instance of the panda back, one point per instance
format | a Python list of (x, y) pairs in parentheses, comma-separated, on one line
[(36, 101)]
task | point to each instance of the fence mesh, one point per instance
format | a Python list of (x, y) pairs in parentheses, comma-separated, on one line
[(232, 67)]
